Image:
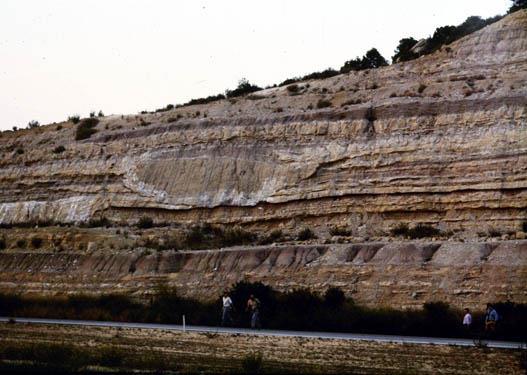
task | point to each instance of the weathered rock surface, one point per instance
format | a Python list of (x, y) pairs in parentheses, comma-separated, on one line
[(441, 140)]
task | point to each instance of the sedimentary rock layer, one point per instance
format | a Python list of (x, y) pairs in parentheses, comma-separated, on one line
[(393, 274)]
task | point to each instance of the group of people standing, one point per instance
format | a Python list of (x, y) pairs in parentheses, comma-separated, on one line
[(491, 318), (252, 307)]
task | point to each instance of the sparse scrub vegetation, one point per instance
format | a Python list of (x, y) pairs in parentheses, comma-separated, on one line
[(21, 243), (3, 243), (75, 119), (339, 231), (275, 236), (418, 231)]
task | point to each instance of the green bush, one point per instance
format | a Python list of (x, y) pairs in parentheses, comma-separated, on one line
[(36, 242), (339, 231), (322, 103), (59, 149), (145, 222), (86, 128), (275, 236), (422, 231), (244, 88), (371, 60), (306, 234), (400, 230), (207, 236)]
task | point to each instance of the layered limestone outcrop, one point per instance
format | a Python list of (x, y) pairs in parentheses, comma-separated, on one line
[(440, 140), (403, 275)]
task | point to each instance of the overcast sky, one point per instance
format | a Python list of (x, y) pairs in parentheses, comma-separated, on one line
[(64, 57)]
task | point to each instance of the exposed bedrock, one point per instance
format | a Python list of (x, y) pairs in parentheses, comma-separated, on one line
[(438, 140), (394, 274)]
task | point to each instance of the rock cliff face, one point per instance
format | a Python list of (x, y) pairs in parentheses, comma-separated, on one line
[(441, 140)]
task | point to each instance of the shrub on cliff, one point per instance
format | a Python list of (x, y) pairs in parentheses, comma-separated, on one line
[(86, 128), (36, 242), (207, 236), (275, 236), (59, 149), (306, 234), (145, 222), (422, 231), (322, 103), (400, 230), (3, 244), (339, 231)]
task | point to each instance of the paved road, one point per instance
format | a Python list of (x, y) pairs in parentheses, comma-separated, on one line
[(265, 332)]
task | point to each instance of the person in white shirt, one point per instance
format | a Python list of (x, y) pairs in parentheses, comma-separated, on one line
[(226, 317), (467, 320)]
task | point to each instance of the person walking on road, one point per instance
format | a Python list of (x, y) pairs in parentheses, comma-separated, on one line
[(491, 317), (253, 306), (467, 321), (226, 312)]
